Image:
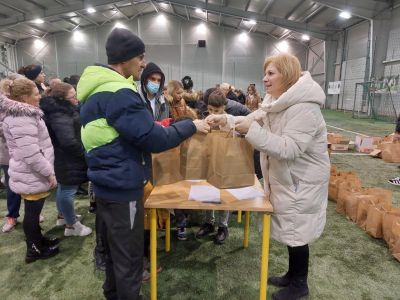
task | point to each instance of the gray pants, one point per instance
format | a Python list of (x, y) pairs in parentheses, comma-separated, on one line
[(223, 217)]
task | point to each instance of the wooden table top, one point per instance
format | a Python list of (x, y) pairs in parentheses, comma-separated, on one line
[(176, 196)]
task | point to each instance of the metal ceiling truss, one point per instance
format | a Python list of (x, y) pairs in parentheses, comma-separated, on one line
[(312, 30)]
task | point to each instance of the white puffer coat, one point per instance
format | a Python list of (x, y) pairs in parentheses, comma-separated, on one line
[(294, 160)]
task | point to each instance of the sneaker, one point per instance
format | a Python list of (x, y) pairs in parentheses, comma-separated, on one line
[(182, 234), (78, 229), (395, 181), (205, 230), (41, 219), (34, 252), (221, 235), (9, 225), (61, 221), (50, 241)]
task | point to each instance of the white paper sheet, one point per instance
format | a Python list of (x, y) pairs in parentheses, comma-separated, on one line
[(246, 193), (205, 193)]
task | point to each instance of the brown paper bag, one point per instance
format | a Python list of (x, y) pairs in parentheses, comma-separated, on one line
[(166, 167), (231, 163), (194, 161), (391, 153), (395, 239), (373, 223), (383, 196), (362, 210), (351, 201), (336, 180), (390, 217), (352, 185)]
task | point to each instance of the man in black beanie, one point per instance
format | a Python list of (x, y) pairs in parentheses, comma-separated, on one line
[(119, 135)]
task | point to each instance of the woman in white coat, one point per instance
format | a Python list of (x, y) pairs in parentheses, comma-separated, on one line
[(290, 133)]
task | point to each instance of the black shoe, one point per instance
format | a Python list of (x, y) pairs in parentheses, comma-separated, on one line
[(221, 235), (297, 289), (100, 261), (50, 241), (92, 207), (205, 230), (34, 252), (280, 281)]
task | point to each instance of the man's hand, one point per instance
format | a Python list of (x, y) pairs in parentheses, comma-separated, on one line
[(216, 120), (201, 126)]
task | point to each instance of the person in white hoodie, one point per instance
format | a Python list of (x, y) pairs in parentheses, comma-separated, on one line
[(290, 132)]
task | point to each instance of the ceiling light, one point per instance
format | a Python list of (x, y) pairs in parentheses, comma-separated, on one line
[(243, 37), (161, 19), (199, 11), (119, 25), (91, 10), (201, 28), (345, 15), (38, 43), (164, 5), (78, 36), (305, 37), (283, 46), (252, 22), (38, 21)]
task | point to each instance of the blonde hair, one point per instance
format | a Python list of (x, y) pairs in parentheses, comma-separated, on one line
[(172, 86), (286, 64), (19, 87)]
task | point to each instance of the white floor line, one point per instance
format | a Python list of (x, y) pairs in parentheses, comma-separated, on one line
[(349, 154), (338, 128)]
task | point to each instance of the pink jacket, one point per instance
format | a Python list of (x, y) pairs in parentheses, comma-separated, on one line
[(30, 148), (4, 156)]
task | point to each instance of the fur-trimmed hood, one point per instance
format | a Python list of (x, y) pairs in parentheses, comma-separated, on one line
[(18, 109)]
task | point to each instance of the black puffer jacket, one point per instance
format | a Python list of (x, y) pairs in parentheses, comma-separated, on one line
[(63, 124)]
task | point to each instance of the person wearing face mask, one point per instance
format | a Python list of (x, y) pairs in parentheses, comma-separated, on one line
[(151, 91)]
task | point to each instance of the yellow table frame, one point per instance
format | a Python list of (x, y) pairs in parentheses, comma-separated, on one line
[(264, 249)]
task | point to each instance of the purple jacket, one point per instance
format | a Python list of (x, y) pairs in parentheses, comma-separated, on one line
[(30, 148)]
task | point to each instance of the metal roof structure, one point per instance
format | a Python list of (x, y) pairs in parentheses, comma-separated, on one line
[(21, 19)]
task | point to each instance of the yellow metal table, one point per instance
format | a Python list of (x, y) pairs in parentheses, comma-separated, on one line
[(176, 195)]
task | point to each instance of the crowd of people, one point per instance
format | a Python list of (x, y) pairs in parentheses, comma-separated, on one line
[(103, 126)]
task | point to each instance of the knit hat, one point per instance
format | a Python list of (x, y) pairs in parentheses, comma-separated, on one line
[(123, 45), (33, 72)]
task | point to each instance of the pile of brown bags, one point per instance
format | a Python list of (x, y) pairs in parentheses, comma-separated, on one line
[(370, 208), (388, 150)]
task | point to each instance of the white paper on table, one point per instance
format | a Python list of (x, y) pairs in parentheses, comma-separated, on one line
[(205, 193), (246, 193)]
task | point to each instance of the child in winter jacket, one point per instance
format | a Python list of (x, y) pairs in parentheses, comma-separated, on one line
[(31, 162)]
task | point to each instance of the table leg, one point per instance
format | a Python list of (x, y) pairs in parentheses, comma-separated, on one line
[(239, 216), (153, 254), (168, 234), (246, 229), (264, 256)]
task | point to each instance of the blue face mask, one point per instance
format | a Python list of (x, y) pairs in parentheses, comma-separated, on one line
[(152, 87)]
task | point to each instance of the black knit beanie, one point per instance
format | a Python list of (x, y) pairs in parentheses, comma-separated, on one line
[(122, 45), (32, 73)]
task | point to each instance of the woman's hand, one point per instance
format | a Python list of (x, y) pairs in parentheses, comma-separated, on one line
[(242, 125), (52, 180), (216, 120), (201, 126)]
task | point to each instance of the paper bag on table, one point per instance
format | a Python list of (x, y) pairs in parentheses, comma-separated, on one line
[(194, 161), (166, 167), (231, 163)]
